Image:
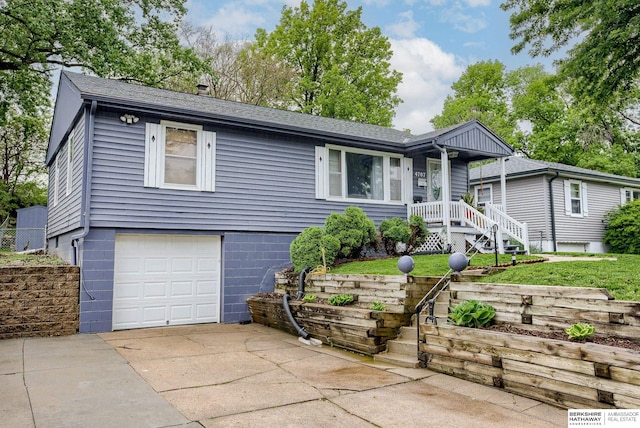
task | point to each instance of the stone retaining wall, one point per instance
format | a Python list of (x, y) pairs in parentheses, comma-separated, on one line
[(39, 301)]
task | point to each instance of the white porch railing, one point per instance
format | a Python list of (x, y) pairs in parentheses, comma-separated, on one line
[(466, 215), (509, 225)]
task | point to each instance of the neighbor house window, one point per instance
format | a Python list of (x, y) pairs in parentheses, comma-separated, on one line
[(629, 195), (179, 156), (483, 194), (352, 174), (575, 194)]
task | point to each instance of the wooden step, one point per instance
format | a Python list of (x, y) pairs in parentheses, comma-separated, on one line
[(398, 359)]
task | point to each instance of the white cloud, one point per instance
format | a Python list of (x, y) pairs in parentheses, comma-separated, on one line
[(375, 2), (234, 19), (428, 73), (404, 27), (477, 3), (469, 23)]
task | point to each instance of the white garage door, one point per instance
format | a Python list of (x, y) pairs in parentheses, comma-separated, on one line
[(165, 280)]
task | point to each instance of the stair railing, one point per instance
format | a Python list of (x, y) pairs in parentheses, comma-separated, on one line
[(443, 283)]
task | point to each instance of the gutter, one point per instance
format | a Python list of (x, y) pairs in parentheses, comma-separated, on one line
[(86, 178), (553, 212)]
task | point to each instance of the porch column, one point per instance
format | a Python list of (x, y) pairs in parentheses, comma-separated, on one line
[(503, 184), (446, 194)]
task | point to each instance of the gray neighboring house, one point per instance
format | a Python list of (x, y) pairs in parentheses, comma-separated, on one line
[(177, 207), (564, 206)]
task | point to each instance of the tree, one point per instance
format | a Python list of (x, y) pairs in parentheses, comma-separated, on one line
[(134, 40), (535, 112), (342, 68), (238, 73), (480, 93), (127, 39), (604, 60)]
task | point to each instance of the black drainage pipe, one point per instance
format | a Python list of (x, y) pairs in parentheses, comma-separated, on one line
[(285, 303)]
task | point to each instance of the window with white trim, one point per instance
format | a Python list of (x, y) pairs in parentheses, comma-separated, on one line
[(628, 194), (179, 156), (69, 166), (362, 175), (483, 194), (575, 198), (56, 179)]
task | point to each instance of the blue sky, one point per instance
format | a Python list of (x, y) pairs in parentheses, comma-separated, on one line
[(433, 41)]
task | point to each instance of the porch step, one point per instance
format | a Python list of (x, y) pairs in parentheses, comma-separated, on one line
[(402, 351)]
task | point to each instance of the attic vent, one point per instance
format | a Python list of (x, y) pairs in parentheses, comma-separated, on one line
[(203, 89)]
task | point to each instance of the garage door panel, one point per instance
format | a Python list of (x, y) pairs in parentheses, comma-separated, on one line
[(204, 311), (181, 289), (156, 265), (154, 315), (207, 264), (154, 290), (182, 265), (126, 290), (206, 288), (166, 280)]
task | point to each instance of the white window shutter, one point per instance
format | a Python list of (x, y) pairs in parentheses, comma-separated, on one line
[(567, 197), (583, 194), (208, 157), (152, 155), (321, 172), (407, 169), (623, 196)]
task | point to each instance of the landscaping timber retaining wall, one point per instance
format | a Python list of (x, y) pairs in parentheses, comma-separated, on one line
[(354, 327), (566, 374), (39, 301)]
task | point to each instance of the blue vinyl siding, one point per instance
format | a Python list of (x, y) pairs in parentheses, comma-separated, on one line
[(264, 182), (66, 215)]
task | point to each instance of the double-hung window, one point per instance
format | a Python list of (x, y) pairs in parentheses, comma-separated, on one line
[(179, 156), (628, 194), (362, 175), (575, 198)]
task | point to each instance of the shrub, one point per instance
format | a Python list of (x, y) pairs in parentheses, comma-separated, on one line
[(340, 299), (622, 232), (377, 306), (354, 231), (580, 331), (306, 248), (309, 298), (472, 313), (396, 230)]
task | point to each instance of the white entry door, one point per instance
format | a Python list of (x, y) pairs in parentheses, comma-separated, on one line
[(165, 280)]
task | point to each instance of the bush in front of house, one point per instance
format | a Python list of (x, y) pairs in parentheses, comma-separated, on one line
[(353, 229), (306, 249), (400, 237), (622, 232)]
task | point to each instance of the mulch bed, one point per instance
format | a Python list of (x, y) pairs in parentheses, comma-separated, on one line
[(561, 335)]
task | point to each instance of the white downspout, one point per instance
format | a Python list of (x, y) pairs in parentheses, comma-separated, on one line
[(446, 194)]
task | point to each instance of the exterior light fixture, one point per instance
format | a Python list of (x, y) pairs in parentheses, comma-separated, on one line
[(129, 119)]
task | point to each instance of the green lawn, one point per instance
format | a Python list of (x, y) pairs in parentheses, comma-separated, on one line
[(8, 258), (425, 265), (621, 277)]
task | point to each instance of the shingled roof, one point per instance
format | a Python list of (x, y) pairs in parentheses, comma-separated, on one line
[(516, 166), (120, 94)]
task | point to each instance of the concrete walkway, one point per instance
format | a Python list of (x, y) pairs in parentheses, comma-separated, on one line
[(235, 375)]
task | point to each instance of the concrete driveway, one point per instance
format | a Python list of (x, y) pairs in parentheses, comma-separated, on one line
[(235, 375)]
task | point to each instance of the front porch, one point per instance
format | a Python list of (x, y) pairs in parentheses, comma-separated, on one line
[(456, 225)]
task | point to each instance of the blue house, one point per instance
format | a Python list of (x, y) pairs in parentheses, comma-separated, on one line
[(177, 207)]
